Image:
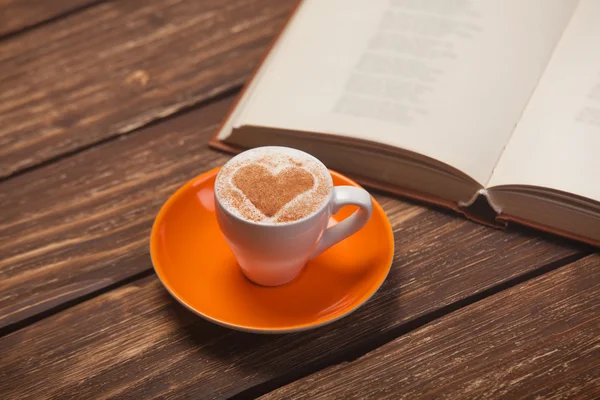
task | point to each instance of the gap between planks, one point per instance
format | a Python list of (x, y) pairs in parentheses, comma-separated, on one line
[(28, 27), (229, 92), (24, 323)]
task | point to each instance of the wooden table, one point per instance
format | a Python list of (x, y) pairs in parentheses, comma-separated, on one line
[(105, 109)]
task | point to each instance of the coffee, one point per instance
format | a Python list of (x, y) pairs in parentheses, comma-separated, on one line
[(273, 185)]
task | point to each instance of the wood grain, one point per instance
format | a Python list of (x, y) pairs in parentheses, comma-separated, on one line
[(83, 223), (137, 342), (539, 340), (117, 66), (16, 15)]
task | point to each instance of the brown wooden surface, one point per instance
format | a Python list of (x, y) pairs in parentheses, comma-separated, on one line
[(83, 222), (17, 15), (540, 339), (117, 66), (440, 261), (82, 314)]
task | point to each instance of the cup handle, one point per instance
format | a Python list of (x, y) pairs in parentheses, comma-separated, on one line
[(344, 196)]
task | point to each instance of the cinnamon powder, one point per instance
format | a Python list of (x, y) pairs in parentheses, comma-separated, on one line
[(269, 193)]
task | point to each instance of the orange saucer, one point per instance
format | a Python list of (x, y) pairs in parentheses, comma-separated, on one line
[(196, 266)]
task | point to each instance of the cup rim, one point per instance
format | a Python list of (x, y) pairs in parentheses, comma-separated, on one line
[(282, 224)]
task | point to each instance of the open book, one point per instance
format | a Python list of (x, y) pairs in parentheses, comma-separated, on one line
[(463, 103)]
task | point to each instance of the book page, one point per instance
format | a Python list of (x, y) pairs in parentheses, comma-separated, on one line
[(445, 78), (557, 142)]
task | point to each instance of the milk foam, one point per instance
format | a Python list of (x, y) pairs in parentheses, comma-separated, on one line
[(275, 159)]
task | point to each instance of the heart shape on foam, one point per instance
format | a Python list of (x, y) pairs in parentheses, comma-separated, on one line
[(269, 192)]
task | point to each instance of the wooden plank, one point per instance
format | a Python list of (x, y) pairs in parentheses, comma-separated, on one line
[(540, 340), (82, 224), (17, 15), (115, 67), (137, 342)]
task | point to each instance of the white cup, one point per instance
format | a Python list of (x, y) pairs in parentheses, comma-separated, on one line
[(274, 254)]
